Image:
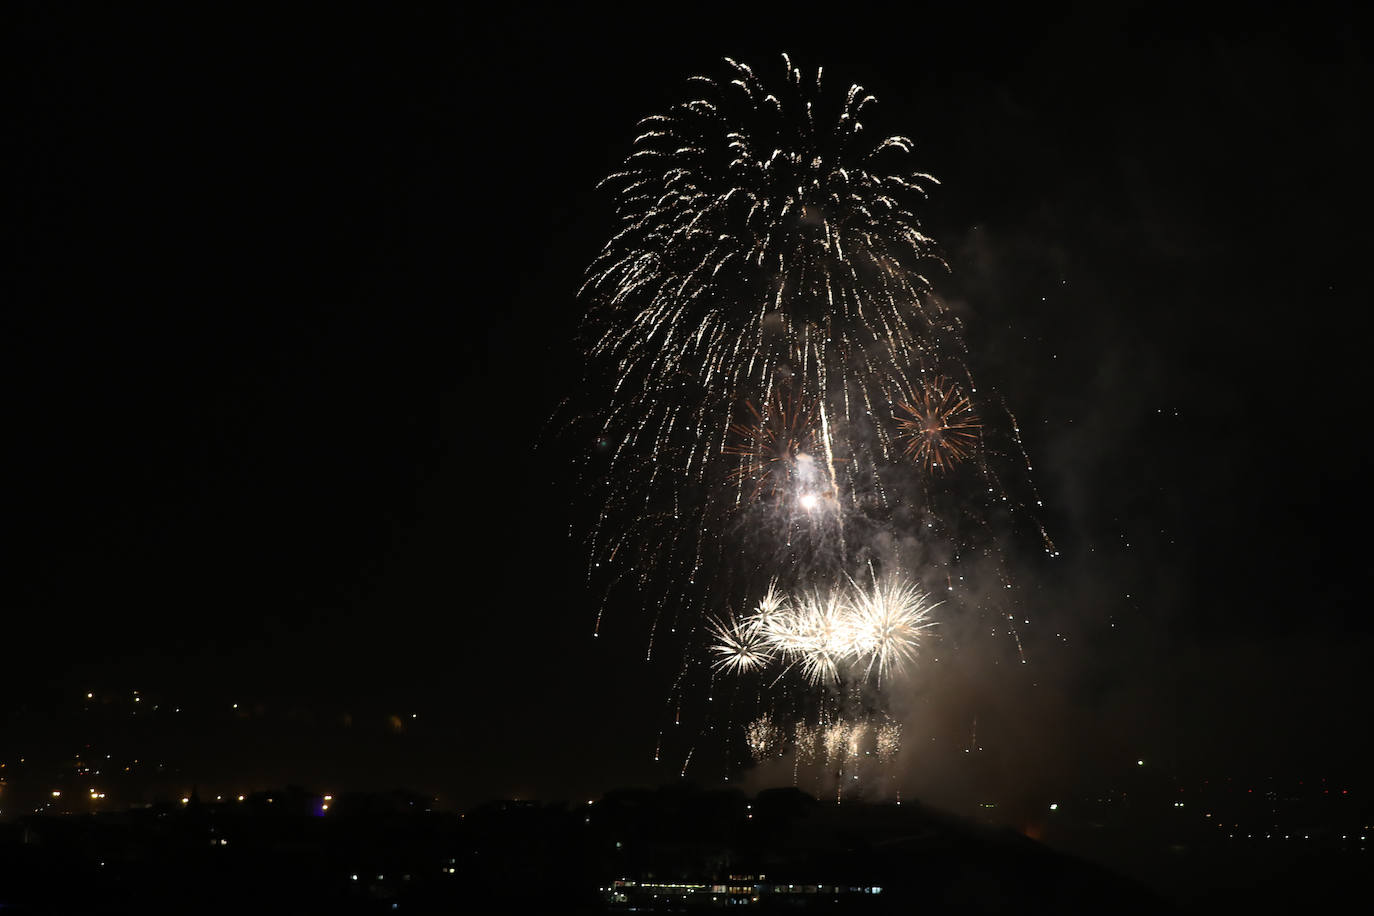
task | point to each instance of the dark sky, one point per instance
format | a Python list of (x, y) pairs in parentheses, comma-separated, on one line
[(292, 297)]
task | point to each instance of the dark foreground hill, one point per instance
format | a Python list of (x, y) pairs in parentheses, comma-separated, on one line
[(677, 849)]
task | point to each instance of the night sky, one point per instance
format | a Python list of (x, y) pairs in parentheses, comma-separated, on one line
[(292, 298)]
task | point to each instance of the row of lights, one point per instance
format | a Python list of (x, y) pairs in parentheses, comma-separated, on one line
[(186, 799)]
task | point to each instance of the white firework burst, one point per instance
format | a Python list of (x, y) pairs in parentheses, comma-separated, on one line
[(739, 648)]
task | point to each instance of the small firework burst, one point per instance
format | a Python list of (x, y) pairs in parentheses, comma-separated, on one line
[(855, 745), (763, 737), (940, 424), (739, 647), (889, 741), (777, 446), (770, 610), (835, 741)]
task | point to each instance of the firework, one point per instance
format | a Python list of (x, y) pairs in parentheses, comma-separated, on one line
[(854, 745), (835, 741), (776, 363), (749, 216), (888, 620), (739, 648), (856, 631), (815, 636), (768, 614), (888, 741), (777, 448), (763, 737), (940, 425), (762, 295), (804, 740)]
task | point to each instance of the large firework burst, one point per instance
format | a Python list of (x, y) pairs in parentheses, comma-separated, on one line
[(763, 297), (763, 244), (778, 363), (747, 216)]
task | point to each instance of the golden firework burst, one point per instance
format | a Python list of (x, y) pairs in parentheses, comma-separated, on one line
[(940, 426)]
